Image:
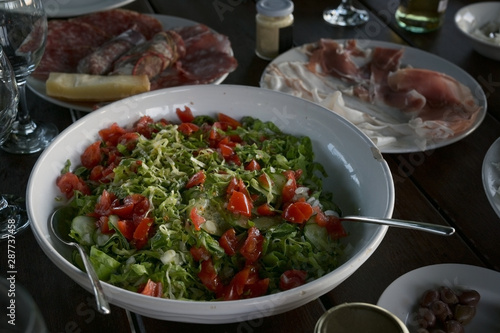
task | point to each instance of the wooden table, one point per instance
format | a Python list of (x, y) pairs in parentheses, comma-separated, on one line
[(441, 186)]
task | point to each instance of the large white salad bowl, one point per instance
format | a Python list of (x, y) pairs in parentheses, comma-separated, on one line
[(358, 177)]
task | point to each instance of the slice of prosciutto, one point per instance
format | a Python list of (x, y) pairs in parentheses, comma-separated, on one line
[(446, 99)]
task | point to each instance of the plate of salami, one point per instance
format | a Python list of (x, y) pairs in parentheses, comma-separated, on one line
[(80, 7), (170, 51), (404, 99)]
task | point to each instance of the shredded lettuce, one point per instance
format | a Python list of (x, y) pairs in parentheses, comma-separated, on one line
[(167, 161)]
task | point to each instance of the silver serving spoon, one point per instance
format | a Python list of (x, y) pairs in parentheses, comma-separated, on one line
[(422, 226), (60, 223)]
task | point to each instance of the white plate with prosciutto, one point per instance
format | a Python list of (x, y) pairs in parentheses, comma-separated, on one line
[(170, 51), (404, 99), (403, 296), (80, 7), (491, 175)]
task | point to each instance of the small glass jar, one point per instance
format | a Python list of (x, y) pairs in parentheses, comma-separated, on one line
[(274, 33), (421, 16)]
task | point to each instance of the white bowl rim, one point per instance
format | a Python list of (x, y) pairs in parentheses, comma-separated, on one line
[(461, 11)]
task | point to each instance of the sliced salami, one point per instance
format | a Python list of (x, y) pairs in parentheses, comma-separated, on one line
[(101, 61), (152, 57), (208, 57), (116, 21), (67, 43)]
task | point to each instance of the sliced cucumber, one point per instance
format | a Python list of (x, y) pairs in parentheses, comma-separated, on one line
[(83, 228), (264, 223)]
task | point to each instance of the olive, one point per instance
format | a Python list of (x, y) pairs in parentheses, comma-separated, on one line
[(429, 297), (464, 313), (447, 295), (441, 310), (426, 317), (453, 326), (422, 330), (469, 297)]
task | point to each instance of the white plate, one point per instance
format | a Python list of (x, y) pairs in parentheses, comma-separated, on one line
[(491, 175), (418, 59), (38, 86), (403, 294), (67, 8)]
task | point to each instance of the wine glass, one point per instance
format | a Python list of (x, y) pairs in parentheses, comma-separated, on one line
[(345, 15), (13, 217), (23, 32)]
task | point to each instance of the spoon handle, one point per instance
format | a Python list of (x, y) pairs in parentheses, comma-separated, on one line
[(422, 226), (102, 303)]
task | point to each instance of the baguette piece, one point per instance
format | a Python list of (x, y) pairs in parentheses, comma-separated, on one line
[(95, 88)]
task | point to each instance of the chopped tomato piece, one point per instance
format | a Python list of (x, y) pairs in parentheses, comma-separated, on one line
[(68, 183), (199, 253), (152, 288), (197, 179), (298, 212), (111, 134), (142, 230), (186, 115), (103, 205), (129, 140), (335, 228), (102, 223), (197, 219), (245, 284), (214, 134), (123, 211), (252, 247), (266, 210), (228, 121), (229, 242), (265, 181), (126, 227), (288, 191), (292, 278), (188, 128), (259, 288), (232, 186), (144, 126), (252, 165), (226, 150), (208, 276), (239, 203), (92, 155)]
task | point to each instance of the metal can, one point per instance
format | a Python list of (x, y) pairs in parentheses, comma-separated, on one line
[(274, 28), (359, 317)]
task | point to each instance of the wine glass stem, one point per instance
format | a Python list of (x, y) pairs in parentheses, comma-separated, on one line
[(25, 124)]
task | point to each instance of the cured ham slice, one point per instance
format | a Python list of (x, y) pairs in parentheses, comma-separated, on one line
[(447, 100), (336, 60)]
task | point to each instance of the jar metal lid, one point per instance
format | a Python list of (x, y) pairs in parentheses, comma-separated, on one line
[(275, 7)]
